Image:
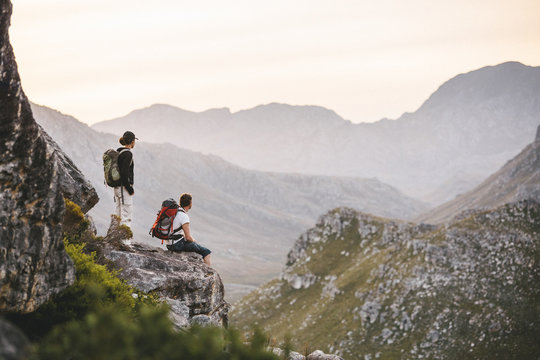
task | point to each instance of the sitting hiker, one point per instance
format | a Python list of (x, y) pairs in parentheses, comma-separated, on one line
[(187, 243)]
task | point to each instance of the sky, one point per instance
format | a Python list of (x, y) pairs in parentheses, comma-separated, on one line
[(366, 60)]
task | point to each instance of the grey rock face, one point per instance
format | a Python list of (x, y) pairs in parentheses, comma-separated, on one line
[(194, 291), (537, 134), (319, 355), (179, 313), (419, 291), (182, 279), (292, 355), (13, 343), (316, 355), (33, 263), (72, 182), (179, 277)]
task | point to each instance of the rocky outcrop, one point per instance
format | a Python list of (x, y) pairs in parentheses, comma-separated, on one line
[(34, 177), (13, 343), (537, 134), (73, 184), (316, 355), (193, 290), (390, 289)]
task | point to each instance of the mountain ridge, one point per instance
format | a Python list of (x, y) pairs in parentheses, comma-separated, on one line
[(464, 131), (518, 179), (233, 206)]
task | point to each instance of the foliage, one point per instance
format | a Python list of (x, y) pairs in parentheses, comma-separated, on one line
[(393, 290), (102, 317), (95, 287), (112, 333), (75, 224)]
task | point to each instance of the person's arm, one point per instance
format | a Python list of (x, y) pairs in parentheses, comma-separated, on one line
[(187, 233), (124, 161)]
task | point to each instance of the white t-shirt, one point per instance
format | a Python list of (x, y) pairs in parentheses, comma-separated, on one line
[(180, 219)]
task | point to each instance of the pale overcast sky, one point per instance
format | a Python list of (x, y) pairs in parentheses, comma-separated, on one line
[(100, 59)]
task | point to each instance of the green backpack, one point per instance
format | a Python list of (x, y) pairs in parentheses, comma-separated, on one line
[(110, 167)]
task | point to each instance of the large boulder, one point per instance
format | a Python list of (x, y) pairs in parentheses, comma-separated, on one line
[(34, 177), (73, 184), (13, 343), (193, 290)]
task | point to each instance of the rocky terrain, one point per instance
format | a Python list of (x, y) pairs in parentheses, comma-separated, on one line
[(240, 214), (518, 179), (193, 290), (464, 132), (372, 288), (34, 177)]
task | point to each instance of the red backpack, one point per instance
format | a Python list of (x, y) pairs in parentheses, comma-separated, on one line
[(163, 226)]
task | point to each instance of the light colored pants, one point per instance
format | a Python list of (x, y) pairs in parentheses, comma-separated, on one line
[(124, 209)]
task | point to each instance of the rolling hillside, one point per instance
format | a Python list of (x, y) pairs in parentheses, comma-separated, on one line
[(373, 288)]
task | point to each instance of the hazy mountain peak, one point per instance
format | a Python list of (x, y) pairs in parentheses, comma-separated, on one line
[(465, 131), (161, 108), (224, 111), (487, 82), (286, 114)]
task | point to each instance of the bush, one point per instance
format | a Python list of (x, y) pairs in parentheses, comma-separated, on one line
[(75, 225), (99, 316), (113, 333)]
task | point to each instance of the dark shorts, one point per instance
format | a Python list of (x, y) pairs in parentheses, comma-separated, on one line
[(184, 245)]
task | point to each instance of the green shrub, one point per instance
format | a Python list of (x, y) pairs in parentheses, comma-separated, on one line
[(75, 224), (113, 333), (102, 317)]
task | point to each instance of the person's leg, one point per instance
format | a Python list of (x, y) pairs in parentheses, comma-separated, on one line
[(207, 260), (177, 245), (127, 209), (118, 201), (199, 249)]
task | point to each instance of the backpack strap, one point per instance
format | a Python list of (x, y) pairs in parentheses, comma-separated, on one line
[(126, 149), (180, 228)]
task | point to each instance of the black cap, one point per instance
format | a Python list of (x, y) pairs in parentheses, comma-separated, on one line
[(129, 137)]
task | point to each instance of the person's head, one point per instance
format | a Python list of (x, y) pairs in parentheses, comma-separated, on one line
[(128, 139), (185, 201)]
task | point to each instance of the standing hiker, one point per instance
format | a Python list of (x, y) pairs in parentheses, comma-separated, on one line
[(123, 194), (187, 243)]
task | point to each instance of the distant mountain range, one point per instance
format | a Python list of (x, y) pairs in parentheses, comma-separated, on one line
[(465, 131), (247, 217), (518, 179)]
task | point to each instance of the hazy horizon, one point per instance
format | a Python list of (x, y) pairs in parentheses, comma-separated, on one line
[(365, 61)]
